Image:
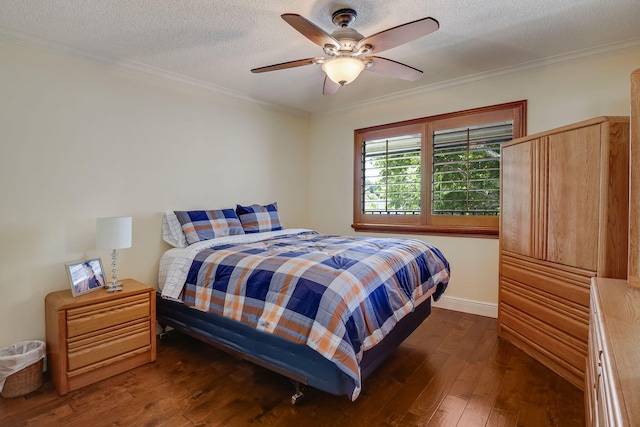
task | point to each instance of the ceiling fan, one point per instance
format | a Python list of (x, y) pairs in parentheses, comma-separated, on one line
[(348, 52)]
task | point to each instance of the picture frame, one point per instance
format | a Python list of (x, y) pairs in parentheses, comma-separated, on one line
[(86, 276)]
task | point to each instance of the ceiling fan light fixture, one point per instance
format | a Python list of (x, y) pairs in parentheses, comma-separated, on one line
[(343, 69), (347, 51)]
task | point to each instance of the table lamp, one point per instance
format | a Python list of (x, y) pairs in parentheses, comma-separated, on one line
[(113, 233)]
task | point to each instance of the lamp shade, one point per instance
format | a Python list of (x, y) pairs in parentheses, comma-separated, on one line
[(343, 69), (113, 233)]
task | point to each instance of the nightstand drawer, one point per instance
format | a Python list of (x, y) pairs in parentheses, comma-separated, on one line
[(107, 344), (106, 314)]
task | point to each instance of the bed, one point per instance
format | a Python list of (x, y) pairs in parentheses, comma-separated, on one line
[(323, 310)]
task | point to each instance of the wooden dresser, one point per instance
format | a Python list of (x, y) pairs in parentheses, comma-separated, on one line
[(99, 334), (612, 386), (564, 220)]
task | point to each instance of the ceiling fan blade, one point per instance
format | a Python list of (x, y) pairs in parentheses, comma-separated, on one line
[(285, 65), (401, 34), (392, 68), (310, 30), (330, 87)]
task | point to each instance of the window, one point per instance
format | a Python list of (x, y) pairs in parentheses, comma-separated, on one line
[(466, 169), (392, 175), (438, 174)]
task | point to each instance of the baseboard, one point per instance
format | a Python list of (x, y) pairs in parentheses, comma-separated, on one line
[(467, 306)]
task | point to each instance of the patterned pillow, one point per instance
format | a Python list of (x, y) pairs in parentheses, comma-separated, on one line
[(204, 225), (172, 231), (256, 218)]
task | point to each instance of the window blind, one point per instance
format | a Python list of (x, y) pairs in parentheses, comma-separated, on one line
[(392, 175), (466, 169)]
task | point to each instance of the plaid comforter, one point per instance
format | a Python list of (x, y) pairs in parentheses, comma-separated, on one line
[(339, 295)]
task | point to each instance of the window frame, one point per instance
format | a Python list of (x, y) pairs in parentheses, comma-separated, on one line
[(426, 222)]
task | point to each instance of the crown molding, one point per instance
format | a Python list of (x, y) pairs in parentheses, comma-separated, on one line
[(136, 68), (139, 69), (576, 56)]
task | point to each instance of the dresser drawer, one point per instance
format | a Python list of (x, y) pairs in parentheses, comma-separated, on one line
[(563, 351), (107, 344), (570, 284), (103, 315), (567, 316)]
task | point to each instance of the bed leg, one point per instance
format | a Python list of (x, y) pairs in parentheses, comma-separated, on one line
[(297, 397), (164, 335)]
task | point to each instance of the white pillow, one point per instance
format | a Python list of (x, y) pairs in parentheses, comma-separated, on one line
[(172, 230)]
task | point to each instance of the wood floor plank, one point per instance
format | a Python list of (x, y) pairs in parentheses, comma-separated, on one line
[(502, 418), (431, 397), (455, 336), (449, 412), (512, 391), (50, 417), (503, 352), (155, 412), (20, 410), (412, 420), (434, 330), (404, 362), (453, 370), (397, 406), (434, 393), (466, 382), (484, 352), (476, 345), (377, 391), (483, 398)]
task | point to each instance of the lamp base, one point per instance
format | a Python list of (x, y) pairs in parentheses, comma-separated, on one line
[(114, 287)]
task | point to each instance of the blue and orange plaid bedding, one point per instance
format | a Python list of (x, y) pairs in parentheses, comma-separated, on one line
[(338, 295)]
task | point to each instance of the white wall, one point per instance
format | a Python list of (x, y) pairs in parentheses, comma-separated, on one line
[(80, 141), (557, 95)]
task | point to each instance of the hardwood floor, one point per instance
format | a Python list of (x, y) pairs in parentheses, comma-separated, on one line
[(452, 371)]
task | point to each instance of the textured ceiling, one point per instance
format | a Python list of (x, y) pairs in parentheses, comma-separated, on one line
[(215, 43)]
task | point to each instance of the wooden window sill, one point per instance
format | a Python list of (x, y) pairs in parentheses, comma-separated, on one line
[(453, 231)]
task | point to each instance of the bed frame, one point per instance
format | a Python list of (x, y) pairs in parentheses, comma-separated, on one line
[(300, 363)]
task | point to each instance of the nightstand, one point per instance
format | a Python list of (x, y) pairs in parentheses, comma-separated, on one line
[(98, 335)]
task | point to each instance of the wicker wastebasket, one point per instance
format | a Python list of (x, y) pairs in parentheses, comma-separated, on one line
[(27, 378)]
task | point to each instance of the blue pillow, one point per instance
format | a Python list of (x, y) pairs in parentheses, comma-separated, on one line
[(257, 219), (204, 225)]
